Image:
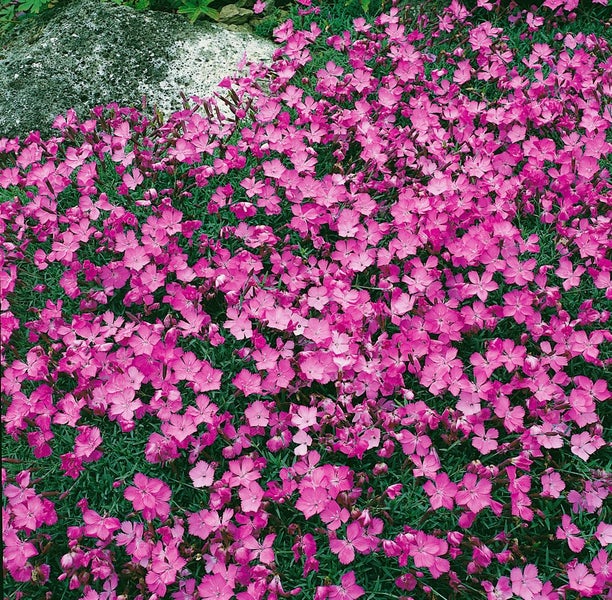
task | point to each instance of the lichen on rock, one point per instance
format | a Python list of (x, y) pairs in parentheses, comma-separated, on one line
[(89, 52)]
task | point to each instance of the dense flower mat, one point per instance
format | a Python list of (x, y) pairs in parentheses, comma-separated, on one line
[(340, 344)]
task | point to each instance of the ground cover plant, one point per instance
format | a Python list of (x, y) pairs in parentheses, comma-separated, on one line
[(340, 332)]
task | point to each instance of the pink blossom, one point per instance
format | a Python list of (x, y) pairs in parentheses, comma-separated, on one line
[(312, 501), (426, 551), (603, 534), (251, 497), (485, 441), (525, 582), (150, 496), (582, 580), (202, 474), (98, 526), (441, 491), (215, 587), (474, 493), (355, 540), (348, 588), (567, 531), (262, 551)]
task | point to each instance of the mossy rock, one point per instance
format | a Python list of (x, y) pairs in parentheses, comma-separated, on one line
[(84, 53)]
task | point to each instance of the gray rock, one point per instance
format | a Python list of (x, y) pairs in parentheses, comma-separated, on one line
[(232, 14), (90, 52)]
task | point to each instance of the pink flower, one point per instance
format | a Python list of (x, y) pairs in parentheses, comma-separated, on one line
[(238, 324), (485, 441), (17, 552), (584, 444), (582, 580), (426, 551), (312, 501), (603, 534), (27, 515), (347, 590), (243, 471), (355, 540), (502, 591), (165, 562), (333, 515), (318, 366), (262, 551), (552, 484), (251, 497), (475, 493), (441, 491), (202, 474), (150, 496), (186, 367), (481, 284), (72, 465), (525, 583), (87, 442), (248, 383), (98, 526), (602, 566), (215, 587), (570, 276), (567, 531), (257, 414)]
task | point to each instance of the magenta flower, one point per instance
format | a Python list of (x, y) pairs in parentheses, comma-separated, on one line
[(98, 526), (202, 474), (525, 582), (355, 540), (474, 493), (485, 441), (347, 590), (426, 551), (582, 580), (86, 444), (441, 491), (567, 531), (603, 534), (150, 496), (251, 497), (165, 563), (552, 484), (17, 552), (312, 500), (215, 587), (261, 551)]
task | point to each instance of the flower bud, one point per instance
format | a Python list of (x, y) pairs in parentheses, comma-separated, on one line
[(393, 491), (391, 548), (454, 537), (380, 469)]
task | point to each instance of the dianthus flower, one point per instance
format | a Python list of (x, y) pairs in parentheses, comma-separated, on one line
[(150, 496)]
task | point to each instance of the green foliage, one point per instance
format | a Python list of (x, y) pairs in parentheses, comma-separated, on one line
[(32, 5), (7, 15), (137, 4), (194, 9), (11, 11)]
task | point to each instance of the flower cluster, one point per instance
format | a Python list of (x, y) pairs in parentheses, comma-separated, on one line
[(366, 324)]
